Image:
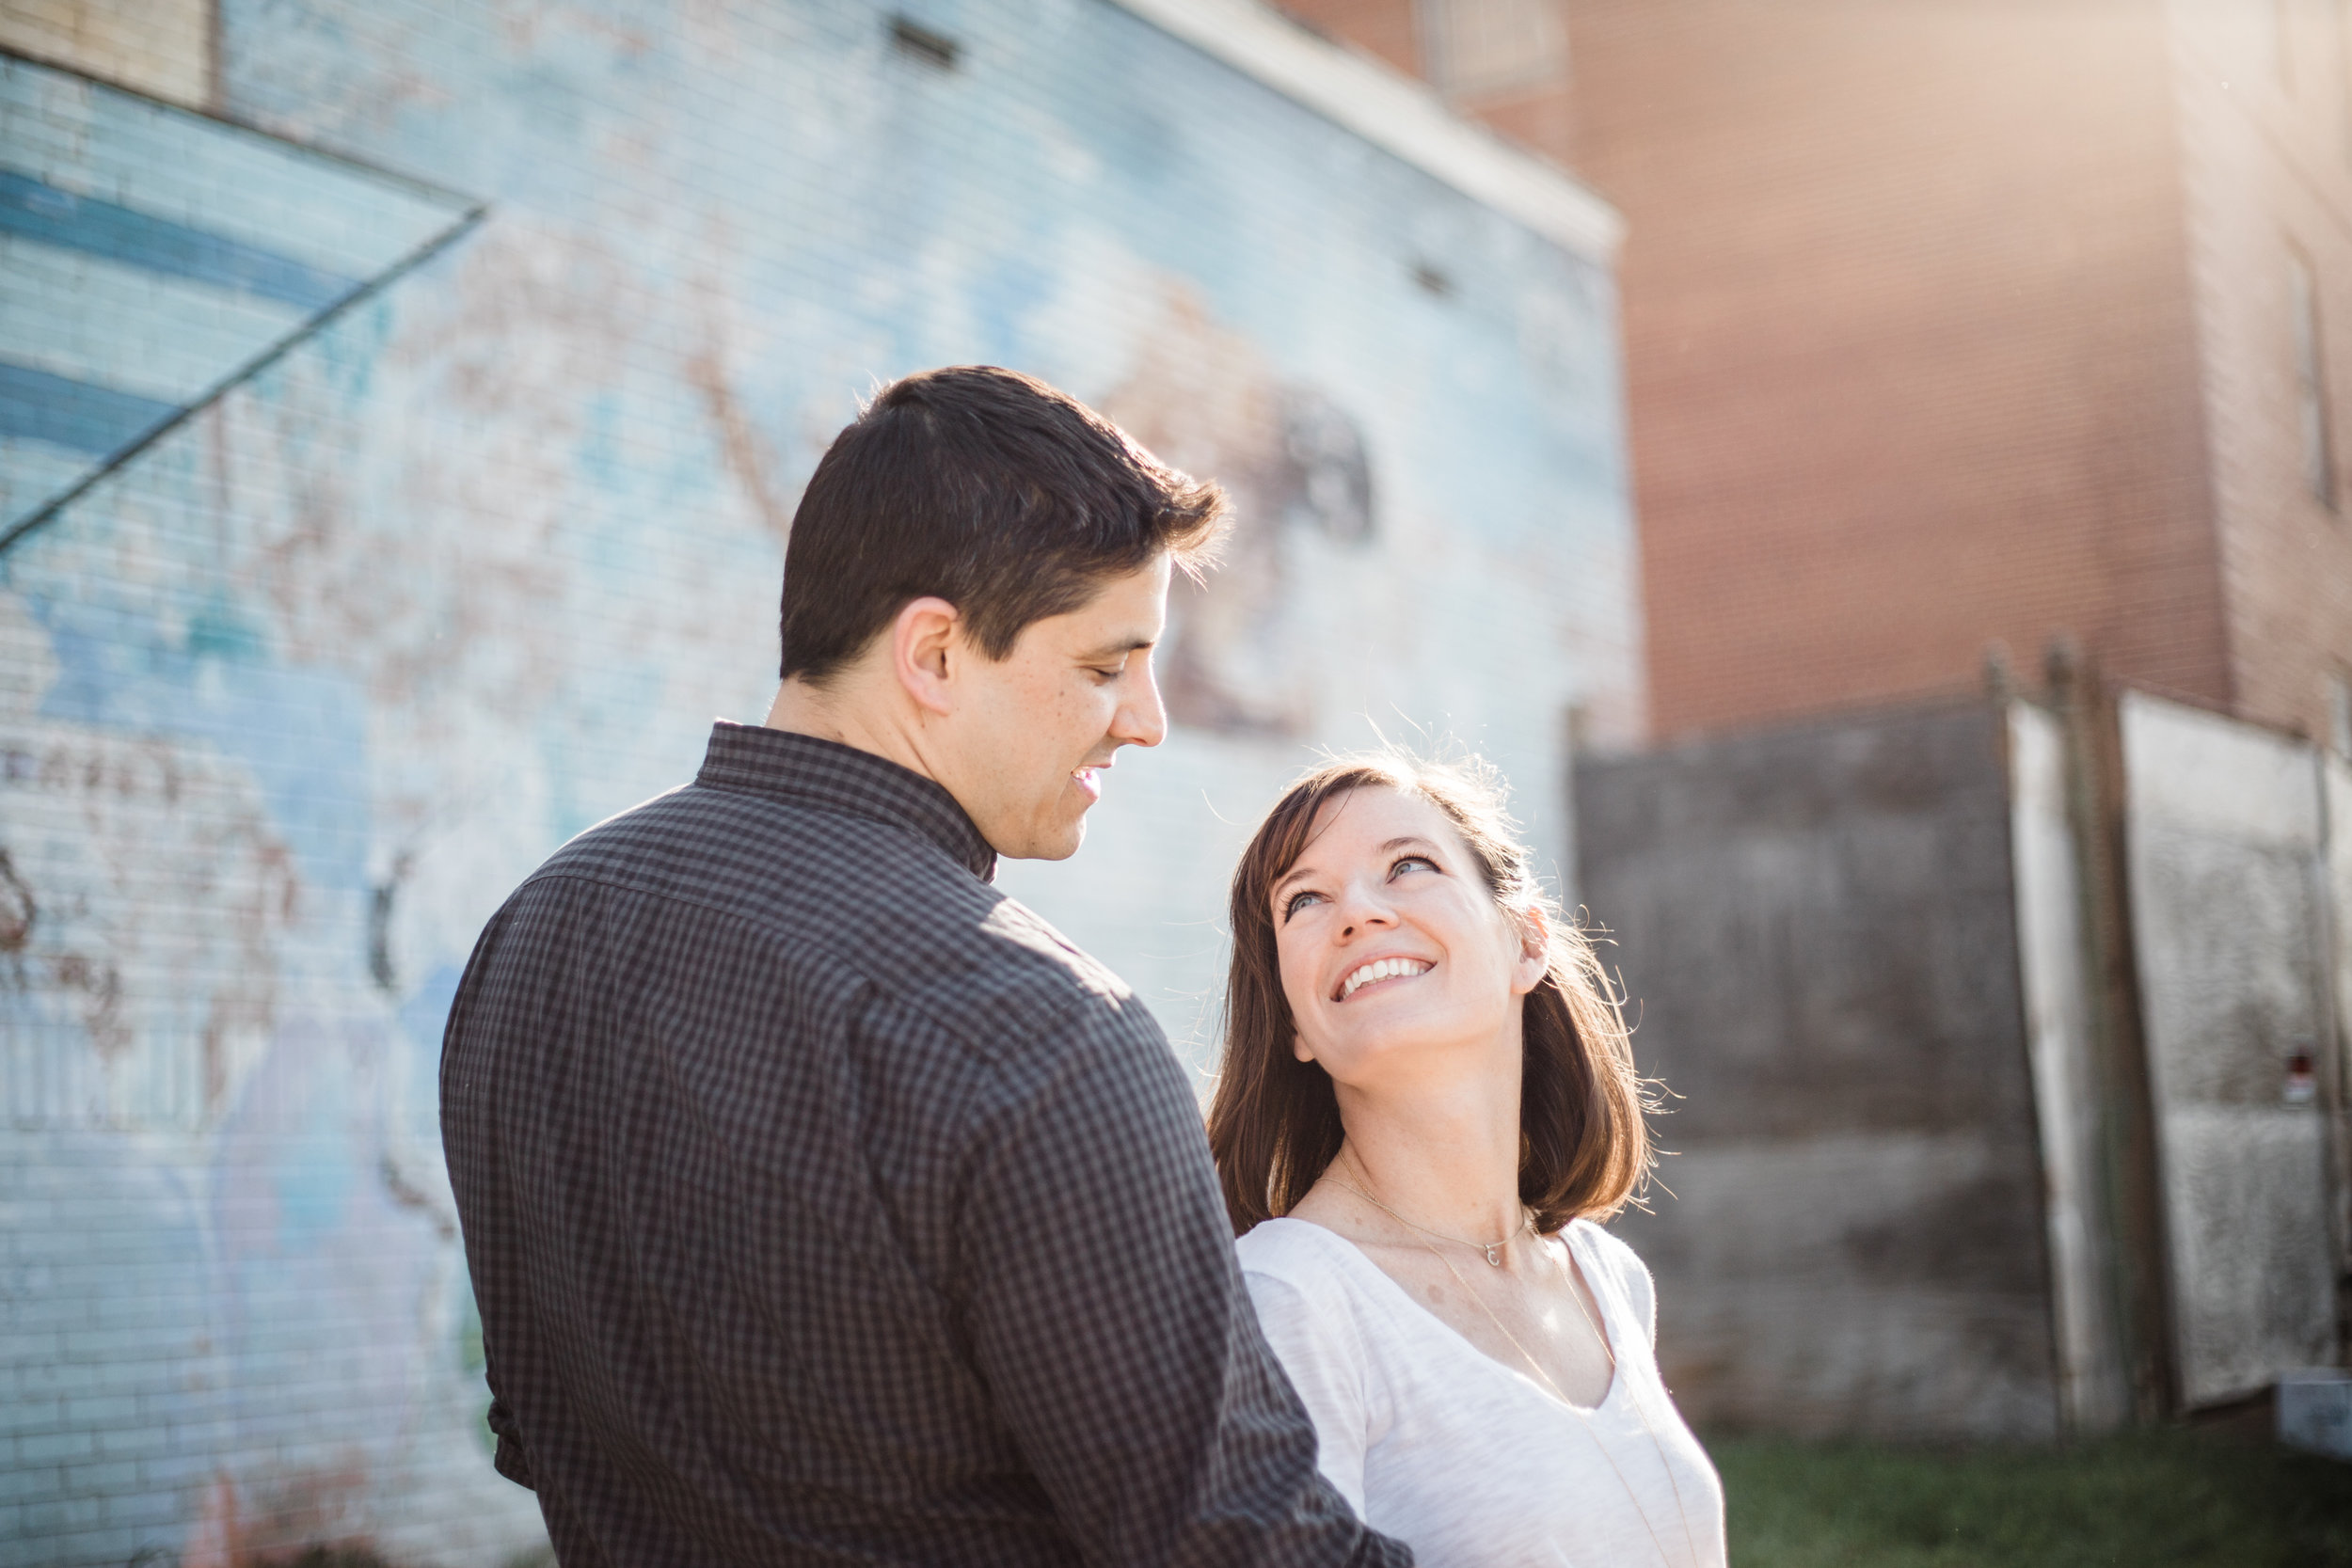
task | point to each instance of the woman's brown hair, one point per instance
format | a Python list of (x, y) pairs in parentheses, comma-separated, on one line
[(1274, 1122)]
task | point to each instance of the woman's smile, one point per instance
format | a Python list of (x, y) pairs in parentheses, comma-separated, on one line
[(1380, 974)]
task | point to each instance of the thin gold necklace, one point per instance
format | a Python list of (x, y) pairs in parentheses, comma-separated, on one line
[(1584, 1420), (1492, 1249)]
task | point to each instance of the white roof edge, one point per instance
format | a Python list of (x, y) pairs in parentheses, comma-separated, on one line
[(1395, 113)]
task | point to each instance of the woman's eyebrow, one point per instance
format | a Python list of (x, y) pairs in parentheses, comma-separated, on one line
[(1409, 841), (1295, 872)]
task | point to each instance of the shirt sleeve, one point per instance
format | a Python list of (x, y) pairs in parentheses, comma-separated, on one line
[(1327, 1368), (1107, 1314)]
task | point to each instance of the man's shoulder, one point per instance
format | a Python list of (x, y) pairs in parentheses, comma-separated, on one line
[(872, 903)]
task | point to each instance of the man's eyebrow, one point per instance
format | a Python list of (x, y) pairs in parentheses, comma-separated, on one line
[(1115, 648)]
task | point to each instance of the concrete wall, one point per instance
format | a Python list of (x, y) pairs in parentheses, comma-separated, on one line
[(1819, 930), (1913, 1190), (289, 700), (2226, 857)]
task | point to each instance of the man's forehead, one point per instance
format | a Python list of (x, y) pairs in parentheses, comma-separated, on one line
[(1126, 615)]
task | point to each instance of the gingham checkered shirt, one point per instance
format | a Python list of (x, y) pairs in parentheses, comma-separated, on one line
[(824, 1205)]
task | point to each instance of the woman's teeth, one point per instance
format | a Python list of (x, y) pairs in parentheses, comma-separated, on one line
[(1380, 969)]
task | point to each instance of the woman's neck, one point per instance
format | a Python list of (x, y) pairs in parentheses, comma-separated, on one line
[(1447, 1160)]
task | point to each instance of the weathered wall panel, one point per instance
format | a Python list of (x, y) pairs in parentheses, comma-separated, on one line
[(2053, 965), (289, 703), (2224, 832), (2336, 788), (1819, 930)]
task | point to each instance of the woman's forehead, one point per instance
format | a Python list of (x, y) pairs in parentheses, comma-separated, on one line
[(1371, 815)]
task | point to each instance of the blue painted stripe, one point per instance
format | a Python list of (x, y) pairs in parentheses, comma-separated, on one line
[(67, 413), (41, 212)]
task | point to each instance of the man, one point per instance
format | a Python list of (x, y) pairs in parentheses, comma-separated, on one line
[(823, 1204)]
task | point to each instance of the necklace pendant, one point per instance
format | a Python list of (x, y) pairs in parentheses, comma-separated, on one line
[(1494, 1255)]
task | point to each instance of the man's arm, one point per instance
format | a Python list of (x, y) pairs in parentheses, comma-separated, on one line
[(1110, 1322)]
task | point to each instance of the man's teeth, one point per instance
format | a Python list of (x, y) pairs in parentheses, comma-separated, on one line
[(1384, 969)]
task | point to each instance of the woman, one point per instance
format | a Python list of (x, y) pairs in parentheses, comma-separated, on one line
[(1426, 1098)]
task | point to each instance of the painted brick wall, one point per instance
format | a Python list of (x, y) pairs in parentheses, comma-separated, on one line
[(164, 47), (291, 700)]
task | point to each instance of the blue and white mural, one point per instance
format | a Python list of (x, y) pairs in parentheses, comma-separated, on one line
[(150, 256), (485, 529)]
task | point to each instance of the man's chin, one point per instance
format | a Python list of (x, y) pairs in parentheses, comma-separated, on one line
[(1065, 843), (1057, 841)]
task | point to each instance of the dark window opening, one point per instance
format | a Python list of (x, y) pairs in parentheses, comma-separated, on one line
[(933, 49)]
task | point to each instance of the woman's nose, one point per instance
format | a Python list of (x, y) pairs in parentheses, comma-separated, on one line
[(1363, 911)]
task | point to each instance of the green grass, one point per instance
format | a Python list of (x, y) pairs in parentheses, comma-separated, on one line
[(2177, 1498)]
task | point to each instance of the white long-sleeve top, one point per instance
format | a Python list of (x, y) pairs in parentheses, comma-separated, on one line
[(1470, 1461)]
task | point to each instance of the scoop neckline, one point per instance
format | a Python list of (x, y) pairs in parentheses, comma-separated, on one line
[(1357, 1259)]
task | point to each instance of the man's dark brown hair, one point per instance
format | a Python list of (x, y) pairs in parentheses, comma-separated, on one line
[(989, 489), (1274, 1124)]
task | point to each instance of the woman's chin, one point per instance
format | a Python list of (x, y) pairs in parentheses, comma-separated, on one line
[(1399, 1043)]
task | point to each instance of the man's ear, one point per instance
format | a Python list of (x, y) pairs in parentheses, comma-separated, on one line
[(923, 646)]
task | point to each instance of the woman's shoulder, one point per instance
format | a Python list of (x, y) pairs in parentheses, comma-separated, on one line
[(1620, 1264), (1608, 1249), (1313, 1301), (1297, 1252)]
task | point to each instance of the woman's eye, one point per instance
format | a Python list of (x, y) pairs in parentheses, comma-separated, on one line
[(1297, 901), (1421, 860)]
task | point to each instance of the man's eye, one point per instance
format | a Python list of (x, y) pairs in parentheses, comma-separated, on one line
[(1110, 675)]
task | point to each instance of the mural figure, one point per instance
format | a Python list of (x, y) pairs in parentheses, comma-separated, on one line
[(1296, 464)]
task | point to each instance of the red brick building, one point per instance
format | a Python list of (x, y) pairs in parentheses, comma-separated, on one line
[(1954, 322)]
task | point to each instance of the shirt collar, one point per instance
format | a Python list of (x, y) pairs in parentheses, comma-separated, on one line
[(751, 759)]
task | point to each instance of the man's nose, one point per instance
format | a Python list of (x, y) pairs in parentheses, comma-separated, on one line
[(1142, 720)]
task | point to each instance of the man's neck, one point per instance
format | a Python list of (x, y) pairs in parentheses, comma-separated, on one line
[(840, 716)]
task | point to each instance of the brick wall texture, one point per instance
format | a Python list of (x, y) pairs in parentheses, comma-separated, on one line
[(293, 698), (164, 47), (1950, 324)]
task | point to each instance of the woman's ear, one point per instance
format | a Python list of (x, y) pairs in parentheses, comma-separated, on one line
[(1534, 960), (1298, 1047)]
